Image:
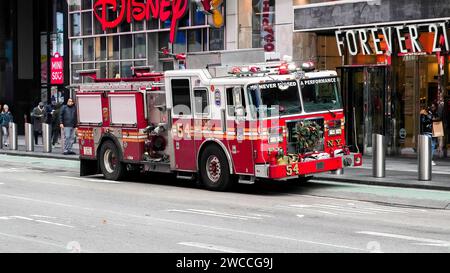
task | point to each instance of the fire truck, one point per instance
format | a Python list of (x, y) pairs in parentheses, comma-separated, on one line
[(220, 126)]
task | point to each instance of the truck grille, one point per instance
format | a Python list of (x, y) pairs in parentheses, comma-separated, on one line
[(293, 147)]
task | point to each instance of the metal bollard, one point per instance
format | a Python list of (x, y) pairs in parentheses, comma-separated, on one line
[(29, 143), (13, 138), (424, 158), (379, 156), (47, 137)]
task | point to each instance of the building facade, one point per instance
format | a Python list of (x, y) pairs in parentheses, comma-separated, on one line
[(31, 31), (393, 60)]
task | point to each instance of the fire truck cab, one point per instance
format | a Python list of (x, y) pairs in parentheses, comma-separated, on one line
[(222, 125)]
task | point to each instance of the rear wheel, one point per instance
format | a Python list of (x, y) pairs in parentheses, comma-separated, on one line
[(110, 164), (215, 170)]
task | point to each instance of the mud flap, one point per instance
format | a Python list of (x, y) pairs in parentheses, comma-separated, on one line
[(88, 167)]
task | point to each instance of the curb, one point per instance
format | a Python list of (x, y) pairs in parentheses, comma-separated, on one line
[(39, 155), (382, 183)]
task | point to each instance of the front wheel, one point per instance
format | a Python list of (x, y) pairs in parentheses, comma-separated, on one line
[(215, 170), (110, 164)]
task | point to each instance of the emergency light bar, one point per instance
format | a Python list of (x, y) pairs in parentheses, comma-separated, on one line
[(284, 68)]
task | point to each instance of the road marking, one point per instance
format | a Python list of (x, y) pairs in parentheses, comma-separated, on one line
[(309, 207), (214, 247), (408, 238), (21, 218), (39, 221), (2, 183), (343, 209), (42, 216), (92, 180), (300, 216), (178, 223), (31, 240), (216, 214), (52, 223)]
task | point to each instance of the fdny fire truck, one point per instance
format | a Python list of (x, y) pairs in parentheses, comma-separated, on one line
[(222, 125)]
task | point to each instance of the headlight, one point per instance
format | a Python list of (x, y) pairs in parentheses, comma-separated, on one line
[(338, 132), (332, 132)]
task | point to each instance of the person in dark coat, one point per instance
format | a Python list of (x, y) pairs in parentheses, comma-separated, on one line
[(68, 122), (427, 116), (5, 118), (39, 115)]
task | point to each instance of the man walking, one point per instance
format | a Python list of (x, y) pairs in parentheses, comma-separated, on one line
[(5, 118), (68, 122), (39, 116)]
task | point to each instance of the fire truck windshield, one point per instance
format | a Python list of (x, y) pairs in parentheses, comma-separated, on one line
[(320, 95), (272, 99)]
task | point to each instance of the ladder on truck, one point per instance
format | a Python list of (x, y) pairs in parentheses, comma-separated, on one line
[(142, 80)]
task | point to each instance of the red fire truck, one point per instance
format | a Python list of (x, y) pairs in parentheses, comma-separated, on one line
[(221, 125)]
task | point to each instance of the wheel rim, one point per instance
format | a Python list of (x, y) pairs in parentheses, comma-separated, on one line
[(110, 161), (213, 168)]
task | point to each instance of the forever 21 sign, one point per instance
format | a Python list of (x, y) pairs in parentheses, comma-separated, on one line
[(368, 41)]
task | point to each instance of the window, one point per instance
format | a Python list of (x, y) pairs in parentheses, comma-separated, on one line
[(74, 5), (201, 101), (126, 48), (75, 20), (181, 98), (320, 95), (195, 40), (87, 23), (77, 50), (86, 4), (139, 46), (100, 48), (113, 48), (231, 103), (88, 49)]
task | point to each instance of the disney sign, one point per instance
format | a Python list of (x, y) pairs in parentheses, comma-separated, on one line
[(134, 10)]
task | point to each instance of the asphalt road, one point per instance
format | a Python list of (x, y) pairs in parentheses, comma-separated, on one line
[(46, 207)]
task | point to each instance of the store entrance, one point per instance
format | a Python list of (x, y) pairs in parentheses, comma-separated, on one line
[(364, 92)]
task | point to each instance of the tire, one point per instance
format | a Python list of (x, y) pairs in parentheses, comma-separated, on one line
[(304, 179), (110, 164), (214, 169)]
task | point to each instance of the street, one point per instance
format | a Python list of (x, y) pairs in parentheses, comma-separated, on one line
[(46, 207)]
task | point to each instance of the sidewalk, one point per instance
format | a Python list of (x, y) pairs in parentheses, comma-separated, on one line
[(400, 172), (38, 150)]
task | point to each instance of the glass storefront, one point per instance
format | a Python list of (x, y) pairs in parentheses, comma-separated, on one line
[(115, 51)]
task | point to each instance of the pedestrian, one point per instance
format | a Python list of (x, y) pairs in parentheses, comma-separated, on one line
[(5, 117), (68, 122), (426, 127), (56, 130), (39, 115)]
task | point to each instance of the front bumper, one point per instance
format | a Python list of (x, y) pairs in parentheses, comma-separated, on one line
[(294, 170)]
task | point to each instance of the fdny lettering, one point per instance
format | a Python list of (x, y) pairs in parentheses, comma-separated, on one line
[(135, 10)]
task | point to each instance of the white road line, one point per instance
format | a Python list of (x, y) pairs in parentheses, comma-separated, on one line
[(408, 238), (300, 216), (4, 218), (31, 240), (214, 247), (91, 180), (2, 183), (227, 214), (385, 210), (175, 222), (343, 209), (52, 223), (42, 216), (208, 213), (21, 218), (311, 208)]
